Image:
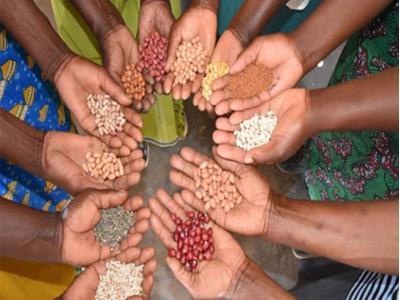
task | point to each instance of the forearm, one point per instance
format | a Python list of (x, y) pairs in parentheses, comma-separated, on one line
[(21, 144), (31, 28), (361, 234), (101, 16), (209, 4), (251, 18), (253, 283), (330, 25), (367, 103), (29, 234)]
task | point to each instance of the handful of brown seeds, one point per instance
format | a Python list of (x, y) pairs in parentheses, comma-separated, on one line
[(104, 165), (133, 82), (114, 226), (216, 186), (108, 114)]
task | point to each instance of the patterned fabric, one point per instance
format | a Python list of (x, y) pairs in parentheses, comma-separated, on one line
[(359, 165), (26, 95), (374, 286)]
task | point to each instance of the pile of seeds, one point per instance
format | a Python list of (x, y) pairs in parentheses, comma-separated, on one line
[(108, 114), (114, 226), (190, 61), (256, 131), (251, 82), (153, 56), (120, 281), (104, 165), (214, 70), (133, 82), (216, 186), (194, 240)]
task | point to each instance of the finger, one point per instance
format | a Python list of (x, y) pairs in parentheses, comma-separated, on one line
[(219, 96), (174, 42), (137, 106), (249, 103), (189, 198), (133, 239), (223, 137), (129, 255), (151, 98), (126, 181), (147, 286), (196, 99), (134, 166), (225, 125), (228, 165), (127, 140), (146, 105), (133, 203), (238, 117), (170, 204), (134, 155), (140, 227), (110, 87), (176, 92), (161, 231), (178, 198), (210, 110), (149, 80), (111, 141), (247, 57), (150, 267), (195, 87), (143, 213), (183, 165), (202, 104), (168, 83), (179, 271), (133, 117), (133, 132), (186, 91), (223, 108), (231, 153), (193, 156), (162, 214), (108, 198), (220, 83), (158, 87), (182, 180)]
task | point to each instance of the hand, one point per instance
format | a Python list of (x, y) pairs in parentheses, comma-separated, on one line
[(75, 80), (199, 22), (293, 129), (250, 217), (227, 50), (119, 50), (79, 244), (85, 285), (64, 153), (213, 278), (278, 53)]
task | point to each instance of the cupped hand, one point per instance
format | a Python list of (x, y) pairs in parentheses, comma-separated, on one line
[(278, 53), (120, 49), (75, 80), (198, 22), (228, 49), (250, 217), (85, 285), (63, 155), (293, 129), (212, 278), (79, 244)]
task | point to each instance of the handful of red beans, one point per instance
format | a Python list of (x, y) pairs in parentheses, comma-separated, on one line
[(194, 240)]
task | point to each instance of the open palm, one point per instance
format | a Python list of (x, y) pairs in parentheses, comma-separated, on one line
[(79, 244), (64, 154), (75, 80), (212, 278), (250, 217), (293, 129)]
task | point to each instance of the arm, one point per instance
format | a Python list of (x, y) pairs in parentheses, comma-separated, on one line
[(101, 16), (368, 103), (361, 234), (332, 28), (35, 34), (21, 144), (29, 234), (251, 18)]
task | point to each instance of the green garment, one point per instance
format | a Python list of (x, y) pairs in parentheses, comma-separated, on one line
[(165, 123), (359, 165)]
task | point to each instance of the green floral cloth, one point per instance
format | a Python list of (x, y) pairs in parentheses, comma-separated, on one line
[(359, 165)]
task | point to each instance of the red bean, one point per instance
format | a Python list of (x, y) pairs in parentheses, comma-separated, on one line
[(204, 236), (193, 264), (180, 244), (171, 252), (209, 232), (185, 249), (178, 255), (188, 266)]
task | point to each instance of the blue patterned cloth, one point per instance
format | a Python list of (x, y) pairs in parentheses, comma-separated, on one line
[(27, 96)]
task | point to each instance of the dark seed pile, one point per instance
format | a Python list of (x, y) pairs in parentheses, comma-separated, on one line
[(114, 226)]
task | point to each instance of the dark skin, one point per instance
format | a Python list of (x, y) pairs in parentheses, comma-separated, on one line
[(302, 114), (290, 56), (362, 234), (44, 237)]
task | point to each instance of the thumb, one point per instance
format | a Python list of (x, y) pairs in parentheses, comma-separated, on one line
[(228, 165), (179, 271), (174, 42), (271, 153), (247, 57)]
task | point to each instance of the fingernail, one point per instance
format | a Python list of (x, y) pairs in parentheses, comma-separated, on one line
[(248, 160)]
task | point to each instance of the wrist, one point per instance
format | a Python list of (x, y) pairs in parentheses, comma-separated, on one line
[(272, 230), (206, 4), (62, 66), (302, 49)]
